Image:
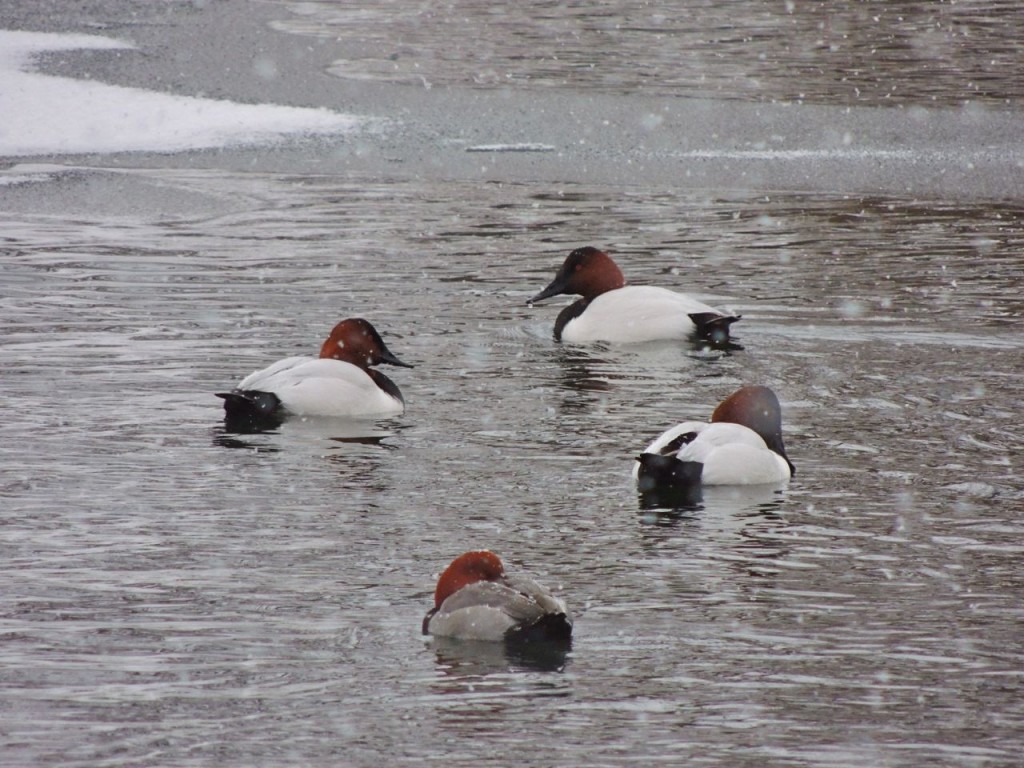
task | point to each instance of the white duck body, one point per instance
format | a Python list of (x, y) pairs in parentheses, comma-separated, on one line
[(316, 386), (731, 454), (636, 313), (615, 312), (338, 383), (491, 610), (742, 444)]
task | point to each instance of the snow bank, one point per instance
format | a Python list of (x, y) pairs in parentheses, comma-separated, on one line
[(58, 115)]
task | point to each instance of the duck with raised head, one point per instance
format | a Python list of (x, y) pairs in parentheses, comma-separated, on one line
[(476, 599), (338, 383), (612, 311), (741, 445)]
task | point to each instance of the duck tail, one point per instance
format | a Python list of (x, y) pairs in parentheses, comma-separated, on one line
[(251, 410), (658, 471), (549, 628), (712, 326)]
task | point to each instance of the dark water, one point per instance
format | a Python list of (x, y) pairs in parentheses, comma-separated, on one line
[(176, 595), (843, 53), (179, 595)]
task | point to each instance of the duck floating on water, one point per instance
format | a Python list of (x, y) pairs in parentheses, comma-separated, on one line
[(741, 445), (612, 311), (338, 383), (476, 599)]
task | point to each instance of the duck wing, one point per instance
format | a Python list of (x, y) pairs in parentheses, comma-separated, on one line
[(489, 610), (324, 387), (732, 454)]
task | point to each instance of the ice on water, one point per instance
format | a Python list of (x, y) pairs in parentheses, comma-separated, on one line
[(59, 115)]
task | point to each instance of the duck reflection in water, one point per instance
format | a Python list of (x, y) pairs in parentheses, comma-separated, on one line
[(479, 686), (338, 431), (741, 525), (464, 659), (589, 374), (671, 500), (228, 438), (668, 504)]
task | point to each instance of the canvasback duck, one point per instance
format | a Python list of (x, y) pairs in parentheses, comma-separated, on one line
[(338, 383), (741, 445), (612, 311), (476, 600)]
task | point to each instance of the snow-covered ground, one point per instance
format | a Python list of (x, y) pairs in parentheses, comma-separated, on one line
[(46, 115)]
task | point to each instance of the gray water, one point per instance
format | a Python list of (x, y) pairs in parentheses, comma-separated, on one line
[(179, 595), (841, 53)]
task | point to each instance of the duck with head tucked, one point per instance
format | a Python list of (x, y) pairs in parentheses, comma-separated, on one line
[(612, 311), (338, 383), (476, 599), (741, 445)]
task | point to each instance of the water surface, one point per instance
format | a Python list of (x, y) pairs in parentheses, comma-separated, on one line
[(843, 53), (180, 595)]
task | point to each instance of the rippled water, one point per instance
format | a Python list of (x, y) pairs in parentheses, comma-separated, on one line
[(178, 595), (908, 53)]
